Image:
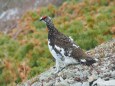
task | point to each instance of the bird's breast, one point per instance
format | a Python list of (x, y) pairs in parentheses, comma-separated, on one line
[(55, 54)]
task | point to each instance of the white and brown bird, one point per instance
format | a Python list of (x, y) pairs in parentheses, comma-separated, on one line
[(63, 48)]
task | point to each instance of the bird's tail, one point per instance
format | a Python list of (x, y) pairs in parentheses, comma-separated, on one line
[(88, 61)]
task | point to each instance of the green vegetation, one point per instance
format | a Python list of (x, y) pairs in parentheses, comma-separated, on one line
[(89, 23)]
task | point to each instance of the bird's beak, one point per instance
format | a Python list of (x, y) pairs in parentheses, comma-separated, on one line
[(40, 19)]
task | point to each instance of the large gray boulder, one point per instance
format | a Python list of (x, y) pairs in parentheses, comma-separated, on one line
[(101, 73)]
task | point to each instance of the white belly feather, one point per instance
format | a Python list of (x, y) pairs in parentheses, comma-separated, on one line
[(67, 59), (54, 54)]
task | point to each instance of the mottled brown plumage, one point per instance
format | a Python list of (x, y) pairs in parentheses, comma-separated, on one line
[(67, 44), (63, 46)]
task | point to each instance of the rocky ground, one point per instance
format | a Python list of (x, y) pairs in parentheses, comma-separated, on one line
[(101, 73)]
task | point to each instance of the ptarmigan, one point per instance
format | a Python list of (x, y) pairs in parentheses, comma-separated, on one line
[(63, 48)]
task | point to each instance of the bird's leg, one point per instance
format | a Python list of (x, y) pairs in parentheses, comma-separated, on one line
[(58, 69), (66, 65), (57, 66)]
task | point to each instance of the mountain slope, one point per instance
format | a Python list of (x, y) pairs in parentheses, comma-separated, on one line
[(101, 73)]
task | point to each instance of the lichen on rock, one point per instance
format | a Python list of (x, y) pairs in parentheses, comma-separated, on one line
[(101, 73)]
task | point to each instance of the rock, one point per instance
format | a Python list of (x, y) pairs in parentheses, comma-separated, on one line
[(62, 83), (101, 73), (113, 74), (85, 84), (35, 84), (101, 82), (76, 84)]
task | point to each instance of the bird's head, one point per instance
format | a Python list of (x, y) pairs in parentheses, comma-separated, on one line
[(48, 22), (46, 19)]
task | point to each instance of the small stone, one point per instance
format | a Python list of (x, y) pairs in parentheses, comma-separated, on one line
[(76, 84), (48, 84), (85, 84), (113, 74), (62, 83), (101, 82), (91, 78), (77, 79), (35, 84)]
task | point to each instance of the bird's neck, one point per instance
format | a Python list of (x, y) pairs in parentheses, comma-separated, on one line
[(52, 31), (51, 28)]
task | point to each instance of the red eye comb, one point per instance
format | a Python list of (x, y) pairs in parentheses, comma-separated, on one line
[(44, 17)]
